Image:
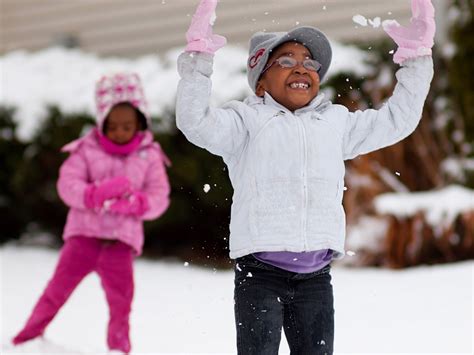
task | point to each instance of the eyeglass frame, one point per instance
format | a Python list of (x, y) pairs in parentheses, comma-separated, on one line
[(297, 63)]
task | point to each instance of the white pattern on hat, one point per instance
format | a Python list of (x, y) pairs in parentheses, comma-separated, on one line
[(117, 88)]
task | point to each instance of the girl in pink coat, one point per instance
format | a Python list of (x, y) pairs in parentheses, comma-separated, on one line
[(114, 178)]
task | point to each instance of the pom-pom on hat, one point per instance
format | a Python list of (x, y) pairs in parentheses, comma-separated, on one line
[(119, 88), (262, 44)]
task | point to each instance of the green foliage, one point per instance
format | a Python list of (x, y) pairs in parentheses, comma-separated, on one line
[(458, 71), (196, 225), (461, 67), (11, 154), (31, 171)]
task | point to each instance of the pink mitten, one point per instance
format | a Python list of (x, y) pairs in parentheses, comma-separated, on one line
[(134, 205), (416, 39), (199, 35), (96, 194)]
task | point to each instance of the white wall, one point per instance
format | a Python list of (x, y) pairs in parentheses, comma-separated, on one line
[(131, 28)]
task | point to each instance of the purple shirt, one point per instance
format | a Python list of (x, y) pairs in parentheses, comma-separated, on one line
[(303, 263)]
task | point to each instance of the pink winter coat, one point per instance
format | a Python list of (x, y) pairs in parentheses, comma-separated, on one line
[(88, 163)]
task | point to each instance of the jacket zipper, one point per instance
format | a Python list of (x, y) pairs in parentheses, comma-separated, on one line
[(305, 183)]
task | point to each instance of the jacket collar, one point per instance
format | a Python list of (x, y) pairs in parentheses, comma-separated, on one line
[(318, 104)]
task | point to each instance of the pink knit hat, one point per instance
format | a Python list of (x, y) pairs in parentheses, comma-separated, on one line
[(117, 88)]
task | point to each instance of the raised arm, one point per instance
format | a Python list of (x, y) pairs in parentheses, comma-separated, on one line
[(369, 130), (221, 131)]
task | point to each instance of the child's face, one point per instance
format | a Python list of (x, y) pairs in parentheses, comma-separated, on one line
[(294, 87), (122, 124)]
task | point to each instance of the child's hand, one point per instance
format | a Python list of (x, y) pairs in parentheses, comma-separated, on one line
[(199, 35), (96, 194), (134, 205), (416, 39)]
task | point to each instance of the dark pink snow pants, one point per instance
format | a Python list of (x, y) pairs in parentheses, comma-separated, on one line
[(112, 260)]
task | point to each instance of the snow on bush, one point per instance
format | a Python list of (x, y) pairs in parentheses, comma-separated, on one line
[(66, 78)]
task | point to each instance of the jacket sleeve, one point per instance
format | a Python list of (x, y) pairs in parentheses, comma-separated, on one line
[(369, 130), (73, 181), (219, 130), (156, 188)]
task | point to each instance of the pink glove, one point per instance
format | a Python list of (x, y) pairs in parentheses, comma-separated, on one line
[(199, 36), (96, 194), (136, 204), (416, 39)]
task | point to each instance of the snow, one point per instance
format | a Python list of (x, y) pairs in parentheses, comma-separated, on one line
[(440, 206), (390, 23), (455, 167), (449, 50), (66, 78), (391, 180), (362, 21), (189, 310), (367, 234), (375, 22), (213, 19)]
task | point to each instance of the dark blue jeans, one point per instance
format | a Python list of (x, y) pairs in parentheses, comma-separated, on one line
[(268, 299)]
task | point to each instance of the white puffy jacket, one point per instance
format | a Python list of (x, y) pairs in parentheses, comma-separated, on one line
[(287, 168)]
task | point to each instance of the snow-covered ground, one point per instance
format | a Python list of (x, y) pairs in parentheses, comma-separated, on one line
[(188, 309)]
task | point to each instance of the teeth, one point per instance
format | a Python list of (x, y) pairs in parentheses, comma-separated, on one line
[(299, 85)]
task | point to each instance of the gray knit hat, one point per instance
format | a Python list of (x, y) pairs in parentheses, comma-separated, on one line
[(262, 44)]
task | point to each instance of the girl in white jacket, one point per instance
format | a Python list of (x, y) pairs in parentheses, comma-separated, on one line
[(285, 148)]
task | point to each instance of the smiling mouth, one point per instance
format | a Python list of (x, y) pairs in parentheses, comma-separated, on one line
[(300, 86)]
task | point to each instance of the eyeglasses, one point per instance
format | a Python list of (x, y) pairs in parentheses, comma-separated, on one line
[(290, 62)]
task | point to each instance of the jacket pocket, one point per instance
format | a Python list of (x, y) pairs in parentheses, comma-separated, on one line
[(276, 208), (324, 208)]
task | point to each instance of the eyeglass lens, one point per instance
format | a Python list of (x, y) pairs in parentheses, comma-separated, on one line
[(288, 62)]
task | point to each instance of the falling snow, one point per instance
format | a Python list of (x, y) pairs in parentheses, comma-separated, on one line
[(375, 23), (360, 20)]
